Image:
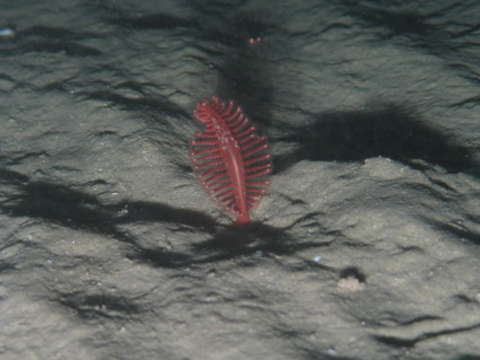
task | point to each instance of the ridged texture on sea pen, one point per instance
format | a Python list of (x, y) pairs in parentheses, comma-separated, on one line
[(231, 161)]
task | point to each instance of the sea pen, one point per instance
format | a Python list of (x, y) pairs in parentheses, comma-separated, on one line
[(231, 161)]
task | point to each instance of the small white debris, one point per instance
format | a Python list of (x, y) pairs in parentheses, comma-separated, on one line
[(331, 351), (317, 259), (350, 283), (258, 253), (7, 32), (123, 211)]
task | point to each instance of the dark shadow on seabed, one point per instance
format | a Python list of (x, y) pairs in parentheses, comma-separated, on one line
[(241, 57), (401, 342), (389, 131), (79, 211)]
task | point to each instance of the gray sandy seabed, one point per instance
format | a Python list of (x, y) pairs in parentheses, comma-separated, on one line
[(367, 245)]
